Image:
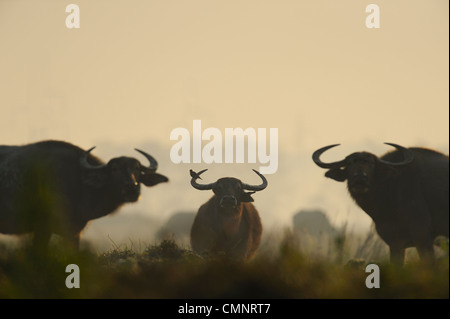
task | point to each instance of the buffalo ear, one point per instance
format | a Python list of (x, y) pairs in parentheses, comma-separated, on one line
[(337, 174), (246, 197), (152, 179)]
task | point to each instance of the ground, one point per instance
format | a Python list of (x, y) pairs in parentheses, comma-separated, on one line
[(166, 270)]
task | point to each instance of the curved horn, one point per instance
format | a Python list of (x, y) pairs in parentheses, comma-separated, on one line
[(84, 162), (153, 163), (256, 187), (408, 156), (316, 158), (202, 187)]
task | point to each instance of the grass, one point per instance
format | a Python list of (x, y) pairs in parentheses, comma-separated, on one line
[(287, 267)]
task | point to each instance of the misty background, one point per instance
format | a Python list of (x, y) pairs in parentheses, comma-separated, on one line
[(135, 70)]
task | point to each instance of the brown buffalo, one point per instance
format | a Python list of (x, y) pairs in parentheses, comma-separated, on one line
[(228, 223)]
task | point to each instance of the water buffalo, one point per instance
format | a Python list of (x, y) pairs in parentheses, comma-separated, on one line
[(177, 227), (314, 223), (405, 192), (56, 187), (228, 222)]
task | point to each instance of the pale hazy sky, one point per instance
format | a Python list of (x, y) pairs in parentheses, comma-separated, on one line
[(135, 70)]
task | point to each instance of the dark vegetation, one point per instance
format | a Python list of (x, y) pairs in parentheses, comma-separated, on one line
[(167, 270)]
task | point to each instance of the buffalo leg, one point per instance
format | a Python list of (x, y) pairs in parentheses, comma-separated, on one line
[(40, 242), (426, 252), (239, 252), (203, 238), (397, 255), (74, 241)]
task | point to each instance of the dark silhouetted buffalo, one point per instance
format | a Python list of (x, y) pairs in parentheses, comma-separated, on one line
[(405, 192), (228, 222), (314, 223), (56, 187), (178, 227)]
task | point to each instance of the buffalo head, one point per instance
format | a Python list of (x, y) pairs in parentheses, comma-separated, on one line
[(230, 192), (361, 169), (125, 174)]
